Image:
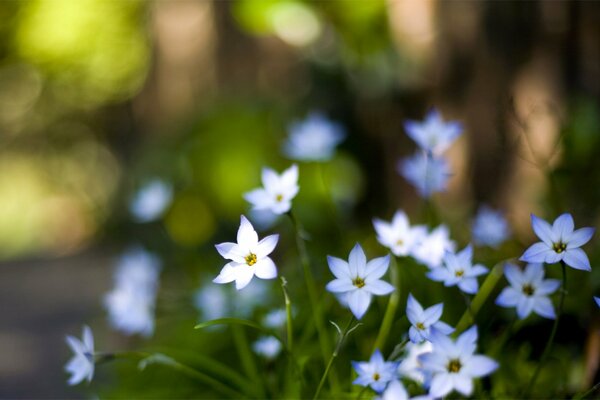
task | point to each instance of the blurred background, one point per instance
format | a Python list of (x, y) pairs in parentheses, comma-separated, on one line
[(100, 98)]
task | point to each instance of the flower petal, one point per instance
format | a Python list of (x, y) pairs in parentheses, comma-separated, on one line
[(542, 229), (357, 261), (265, 269), (377, 267), (514, 275), (289, 177), (231, 251), (524, 307), (543, 306), (438, 274), (469, 285), (463, 384), (359, 301), (509, 297), (266, 246), (576, 258), (479, 366), (563, 227), (580, 237), (537, 253), (259, 198), (441, 385), (243, 277), (270, 180), (339, 268), (379, 288), (228, 273), (547, 287), (433, 314), (534, 273), (246, 235), (340, 286)]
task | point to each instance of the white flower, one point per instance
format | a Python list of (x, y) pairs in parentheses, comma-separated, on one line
[(433, 134), (275, 319), (248, 257), (151, 200), (131, 303), (81, 366), (410, 367), (375, 373), (458, 270), (424, 321), (313, 139), (396, 391), (359, 279), (489, 228), (428, 173), (431, 249), (267, 347), (528, 291), (277, 192), (454, 364), (398, 235)]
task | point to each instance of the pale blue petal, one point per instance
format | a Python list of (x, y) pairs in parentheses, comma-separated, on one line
[(547, 287), (514, 275), (576, 258), (536, 253), (443, 327), (542, 229), (414, 311), (414, 335), (357, 261), (580, 237), (438, 274), (509, 297), (340, 286), (524, 307), (339, 268), (379, 288), (563, 226), (359, 301), (479, 366), (543, 307), (463, 384), (433, 314), (441, 385), (597, 300), (469, 285), (376, 268), (553, 257), (534, 273)]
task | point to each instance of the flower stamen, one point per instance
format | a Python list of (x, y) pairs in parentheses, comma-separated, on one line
[(458, 273), (454, 365), (251, 259), (420, 326), (528, 290), (559, 247), (358, 282), (376, 376)]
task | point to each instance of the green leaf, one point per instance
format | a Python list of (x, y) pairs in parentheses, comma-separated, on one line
[(244, 322)]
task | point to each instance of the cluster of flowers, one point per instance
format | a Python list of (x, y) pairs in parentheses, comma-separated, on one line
[(433, 359)]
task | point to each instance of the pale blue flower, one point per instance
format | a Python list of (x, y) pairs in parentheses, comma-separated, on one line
[(376, 373), (597, 300), (151, 200), (428, 173), (432, 247), (458, 270), (81, 365), (396, 391), (275, 319), (313, 139), (359, 279), (453, 364), (424, 321), (410, 367), (490, 227), (398, 235), (559, 243), (212, 301), (277, 192), (267, 346), (528, 291), (433, 134)]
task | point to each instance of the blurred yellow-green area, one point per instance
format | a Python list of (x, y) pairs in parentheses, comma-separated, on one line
[(98, 98)]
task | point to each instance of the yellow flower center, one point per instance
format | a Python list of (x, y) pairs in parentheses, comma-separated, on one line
[(251, 259), (459, 273), (376, 376), (528, 290), (420, 326), (399, 242), (559, 247), (279, 198), (454, 365), (358, 282)]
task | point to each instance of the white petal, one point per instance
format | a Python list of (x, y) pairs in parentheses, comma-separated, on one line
[(231, 251), (246, 236), (463, 384), (243, 277), (376, 268), (379, 288), (477, 270), (289, 177), (543, 306), (266, 246), (479, 366), (270, 179), (542, 229), (438, 274), (509, 297), (75, 344), (339, 268), (357, 261), (227, 274), (259, 198), (340, 286), (265, 269), (359, 301), (88, 339)]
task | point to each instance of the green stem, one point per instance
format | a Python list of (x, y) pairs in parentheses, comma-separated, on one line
[(288, 313), (247, 358), (333, 357), (390, 312), (550, 342), (584, 395), (330, 200)]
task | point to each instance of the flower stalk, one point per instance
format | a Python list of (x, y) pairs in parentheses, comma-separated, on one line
[(390, 312)]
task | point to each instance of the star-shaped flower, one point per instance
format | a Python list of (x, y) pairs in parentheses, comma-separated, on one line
[(313, 139), (433, 134), (528, 291), (277, 192), (81, 366), (359, 279), (428, 173), (424, 321), (432, 248), (454, 364), (489, 227), (248, 257), (458, 270), (398, 235), (559, 243), (375, 373)]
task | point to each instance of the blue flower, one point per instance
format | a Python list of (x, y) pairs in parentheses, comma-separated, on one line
[(428, 173), (597, 300), (424, 321), (433, 246), (376, 373), (559, 243), (528, 291), (489, 228), (398, 235), (433, 134), (151, 201), (81, 366), (458, 270), (313, 139)]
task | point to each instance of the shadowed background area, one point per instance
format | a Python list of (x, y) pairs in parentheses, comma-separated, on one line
[(99, 98)]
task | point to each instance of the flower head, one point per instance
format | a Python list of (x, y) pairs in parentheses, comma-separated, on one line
[(81, 366), (432, 247), (453, 364), (528, 291), (150, 202), (359, 279), (267, 346), (458, 270), (489, 227), (398, 235), (424, 321), (376, 373), (559, 243), (428, 173), (433, 134), (597, 300), (248, 257), (277, 192), (313, 139), (410, 366)]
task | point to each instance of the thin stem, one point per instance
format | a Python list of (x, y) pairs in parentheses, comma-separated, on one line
[(390, 312), (288, 313), (335, 353), (584, 395), (330, 200), (550, 342), (468, 305)]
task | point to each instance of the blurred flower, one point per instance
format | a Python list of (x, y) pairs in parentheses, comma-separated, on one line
[(249, 257), (398, 235), (246, 301), (597, 300), (359, 279), (267, 347), (131, 303), (428, 173), (81, 365), (454, 364), (424, 321), (410, 367), (277, 192), (375, 373), (433, 134), (313, 139), (431, 249), (150, 201), (263, 219), (395, 391), (559, 243), (458, 270), (212, 301), (489, 228), (275, 319), (528, 291)]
